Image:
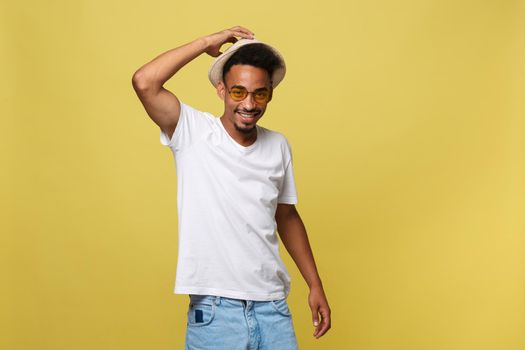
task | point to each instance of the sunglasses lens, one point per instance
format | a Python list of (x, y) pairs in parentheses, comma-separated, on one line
[(262, 95), (238, 93)]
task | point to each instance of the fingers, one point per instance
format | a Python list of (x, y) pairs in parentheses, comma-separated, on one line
[(231, 39), (216, 40), (242, 32), (325, 323), (315, 318)]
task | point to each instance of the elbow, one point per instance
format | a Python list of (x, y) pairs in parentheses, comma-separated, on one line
[(143, 80), (139, 82)]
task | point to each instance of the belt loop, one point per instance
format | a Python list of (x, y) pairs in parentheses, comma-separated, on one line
[(217, 300)]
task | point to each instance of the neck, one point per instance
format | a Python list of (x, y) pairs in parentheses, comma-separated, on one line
[(243, 138)]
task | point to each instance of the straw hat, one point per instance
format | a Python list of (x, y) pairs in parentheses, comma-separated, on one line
[(215, 72)]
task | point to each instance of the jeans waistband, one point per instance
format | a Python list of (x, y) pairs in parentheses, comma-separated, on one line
[(217, 299)]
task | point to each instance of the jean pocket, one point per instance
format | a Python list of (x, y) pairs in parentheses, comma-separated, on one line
[(200, 313), (281, 306)]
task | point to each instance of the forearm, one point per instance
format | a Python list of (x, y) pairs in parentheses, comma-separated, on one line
[(164, 66), (294, 237)]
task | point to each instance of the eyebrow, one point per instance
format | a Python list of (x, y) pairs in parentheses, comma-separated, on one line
[(240, 86)]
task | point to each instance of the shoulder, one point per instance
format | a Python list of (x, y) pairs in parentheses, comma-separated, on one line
[(277, 142), (194, 113), (273, 136), (191, 109)]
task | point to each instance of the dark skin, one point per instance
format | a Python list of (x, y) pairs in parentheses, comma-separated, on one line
[(239, 120), (241, 129), (289, 224), (293, 235)]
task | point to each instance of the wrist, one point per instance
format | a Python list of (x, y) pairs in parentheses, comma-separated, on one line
[(204, 42), (316, 285)]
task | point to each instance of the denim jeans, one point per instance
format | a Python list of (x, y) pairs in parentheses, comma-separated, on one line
[(219, 323)]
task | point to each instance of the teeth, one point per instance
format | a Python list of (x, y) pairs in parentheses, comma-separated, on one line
[(246, 115)]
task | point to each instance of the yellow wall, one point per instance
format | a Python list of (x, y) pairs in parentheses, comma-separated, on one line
[(406, 119)]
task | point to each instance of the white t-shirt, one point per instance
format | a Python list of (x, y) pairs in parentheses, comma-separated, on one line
[(227, 196)]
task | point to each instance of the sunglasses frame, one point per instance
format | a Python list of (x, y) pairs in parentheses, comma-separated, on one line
[(250, 92)]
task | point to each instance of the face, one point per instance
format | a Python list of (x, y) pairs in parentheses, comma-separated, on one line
[(243, 115)]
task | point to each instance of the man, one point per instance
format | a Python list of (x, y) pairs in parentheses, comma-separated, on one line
[(235, 189)]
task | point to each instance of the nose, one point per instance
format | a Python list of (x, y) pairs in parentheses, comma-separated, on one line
[(249, 101)]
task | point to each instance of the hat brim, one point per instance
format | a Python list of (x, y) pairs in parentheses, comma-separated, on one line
[(215, 71)]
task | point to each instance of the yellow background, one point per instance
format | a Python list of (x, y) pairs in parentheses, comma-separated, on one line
[(406, 120)]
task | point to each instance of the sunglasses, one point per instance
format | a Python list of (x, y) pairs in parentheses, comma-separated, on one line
[(261, 95)]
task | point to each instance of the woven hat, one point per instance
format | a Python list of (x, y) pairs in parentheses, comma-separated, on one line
[(215, 72)]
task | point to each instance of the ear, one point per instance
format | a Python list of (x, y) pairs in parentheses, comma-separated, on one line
[(221, 90)]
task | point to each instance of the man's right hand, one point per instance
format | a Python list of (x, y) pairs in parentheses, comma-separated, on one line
[(216, 40), (162, 105)]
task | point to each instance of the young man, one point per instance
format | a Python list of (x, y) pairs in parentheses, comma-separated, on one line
[(235, 190)]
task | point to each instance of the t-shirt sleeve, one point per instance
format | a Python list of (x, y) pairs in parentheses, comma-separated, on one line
[(288, 192), (191, 126)]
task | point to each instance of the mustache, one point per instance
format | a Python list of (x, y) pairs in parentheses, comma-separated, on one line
[(248, 110)]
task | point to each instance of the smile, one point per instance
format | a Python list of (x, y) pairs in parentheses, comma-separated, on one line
[(248, 116)]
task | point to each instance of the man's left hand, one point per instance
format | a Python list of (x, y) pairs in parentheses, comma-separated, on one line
[(319, 305)]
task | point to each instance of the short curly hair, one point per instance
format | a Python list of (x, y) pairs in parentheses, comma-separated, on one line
[(257, 55)]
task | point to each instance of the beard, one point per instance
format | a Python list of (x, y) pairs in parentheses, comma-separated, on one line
[(244, 130), (250, 129)]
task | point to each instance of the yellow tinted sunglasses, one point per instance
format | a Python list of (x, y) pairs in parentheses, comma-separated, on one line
[(239, 93)]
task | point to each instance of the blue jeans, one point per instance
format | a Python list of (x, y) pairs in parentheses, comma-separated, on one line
[(219, 323)]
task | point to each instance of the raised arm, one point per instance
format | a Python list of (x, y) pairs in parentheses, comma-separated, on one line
[(162, 106)]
